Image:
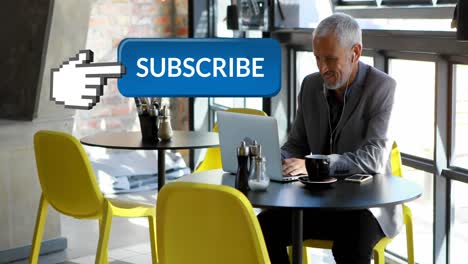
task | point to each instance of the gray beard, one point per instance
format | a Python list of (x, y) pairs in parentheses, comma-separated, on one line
[(339, 84), (336, 86)]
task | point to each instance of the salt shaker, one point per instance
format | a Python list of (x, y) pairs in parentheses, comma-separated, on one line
[(242, 175), (258, 179), (165, 129)]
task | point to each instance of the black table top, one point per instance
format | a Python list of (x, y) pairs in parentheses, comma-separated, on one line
[(382, 190), (132, 140)]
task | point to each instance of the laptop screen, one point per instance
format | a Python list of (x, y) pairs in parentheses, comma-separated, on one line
[(235, 128)]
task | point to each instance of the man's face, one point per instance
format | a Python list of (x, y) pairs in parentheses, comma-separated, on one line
[(333, 61)]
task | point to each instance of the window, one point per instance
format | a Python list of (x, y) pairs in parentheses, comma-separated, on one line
[(254, 103), (370, 3), (422, 210), (413, 128), (229, 102), (221, 103), (367, 60), (301, 13), (221, 24), (447, 1), (459, 216), (412, 62), (406, 24), (224, 102), (222, 31), (424, 15), (305, 65), (460, 158)]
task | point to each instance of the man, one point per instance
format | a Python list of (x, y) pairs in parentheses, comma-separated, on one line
[(344, 112)]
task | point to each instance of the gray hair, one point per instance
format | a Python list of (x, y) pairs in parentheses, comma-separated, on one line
[(345, 28)]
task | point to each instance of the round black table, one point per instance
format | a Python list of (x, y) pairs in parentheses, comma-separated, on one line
[(382, 190), (132, 140)]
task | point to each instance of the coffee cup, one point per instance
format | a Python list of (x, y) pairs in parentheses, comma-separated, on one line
[(317, 166)]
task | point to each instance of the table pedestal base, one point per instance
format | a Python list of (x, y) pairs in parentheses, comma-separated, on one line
[(161, 168), (297, 216)]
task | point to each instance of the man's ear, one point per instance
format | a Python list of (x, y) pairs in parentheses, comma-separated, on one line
[(357, 49)]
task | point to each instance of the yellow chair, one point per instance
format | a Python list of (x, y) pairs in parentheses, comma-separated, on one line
[(69, 185), (207, 224), (379, 248), (213, 155)]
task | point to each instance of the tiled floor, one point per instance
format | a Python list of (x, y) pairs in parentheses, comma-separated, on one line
[(82, 251), (128, 243), (139, 253), (129, 238)]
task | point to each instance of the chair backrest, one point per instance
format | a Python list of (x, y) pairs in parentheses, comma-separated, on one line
[(207, 224), (395, 159), (248, 111), (66, 176)]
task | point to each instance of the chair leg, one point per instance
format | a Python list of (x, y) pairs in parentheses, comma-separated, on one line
[(105, 224), (39, 230), (105, 252), (152, 230), (409, 240), (305, 256), (290, 254), (379, 256)]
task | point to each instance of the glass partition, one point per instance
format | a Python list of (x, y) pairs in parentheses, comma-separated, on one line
[(460, 158), (422, 210), (413, 128), (459, 216)]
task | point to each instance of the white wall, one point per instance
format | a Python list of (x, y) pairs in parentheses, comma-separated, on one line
[(19, 185)]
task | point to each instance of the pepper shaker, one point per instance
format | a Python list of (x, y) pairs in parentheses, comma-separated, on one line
[(254, 151), (242, 176)]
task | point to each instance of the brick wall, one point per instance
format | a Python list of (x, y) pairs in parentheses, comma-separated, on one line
[(110, 22)]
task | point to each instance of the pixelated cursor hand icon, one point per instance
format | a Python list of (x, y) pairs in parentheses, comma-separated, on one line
[(79, 84)]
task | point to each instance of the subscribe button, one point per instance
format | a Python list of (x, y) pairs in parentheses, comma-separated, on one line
[(200, 67)]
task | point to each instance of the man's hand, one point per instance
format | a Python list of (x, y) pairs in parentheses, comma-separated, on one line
[(78, 83), (293, 166)]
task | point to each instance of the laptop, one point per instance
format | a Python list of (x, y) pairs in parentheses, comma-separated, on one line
[(235, 127)]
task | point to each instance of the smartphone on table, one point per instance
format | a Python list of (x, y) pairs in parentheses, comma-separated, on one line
[(359, 178)]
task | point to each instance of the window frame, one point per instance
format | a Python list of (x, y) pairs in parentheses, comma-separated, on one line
[(405, 2), (356, 3), (406, 9)]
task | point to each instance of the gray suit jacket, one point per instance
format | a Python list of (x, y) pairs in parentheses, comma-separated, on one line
[(361, 142)]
